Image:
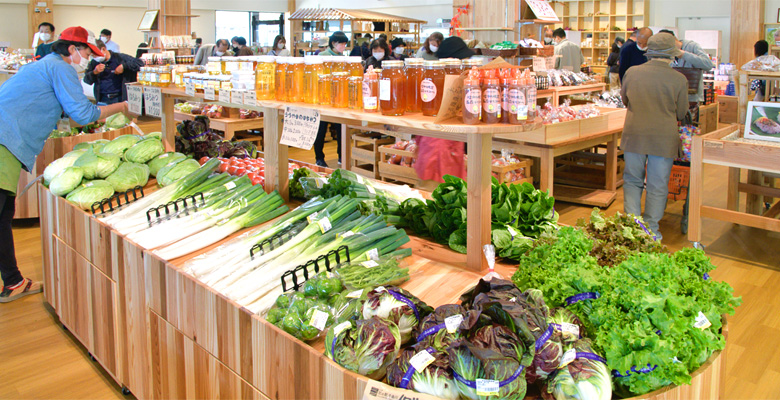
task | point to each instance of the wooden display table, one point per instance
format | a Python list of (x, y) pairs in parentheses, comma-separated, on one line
[(743, 89), (228, 125), (554, 93), (725, 147)]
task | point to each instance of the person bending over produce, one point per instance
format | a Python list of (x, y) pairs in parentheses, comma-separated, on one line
[(656, 97), (31, 103), (108, 75)]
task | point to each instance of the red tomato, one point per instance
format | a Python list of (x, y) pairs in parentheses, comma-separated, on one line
[(258, 181), (233, 158), (203, 160), (240, 171), (232, 170), (251, 175), (223, 167)]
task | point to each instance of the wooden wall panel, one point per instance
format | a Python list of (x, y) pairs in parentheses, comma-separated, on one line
[(138, 376), (117, 256), (73, 227), (104, 323), (74, 286), (746, 25), (100, 250), (47, 210)]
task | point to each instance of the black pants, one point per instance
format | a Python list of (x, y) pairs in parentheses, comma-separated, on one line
[(9, 272), (319, 143)]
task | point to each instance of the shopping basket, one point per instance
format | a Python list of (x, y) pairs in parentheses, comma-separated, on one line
[(678, 182)]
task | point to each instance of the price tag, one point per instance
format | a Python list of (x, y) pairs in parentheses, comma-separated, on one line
[(355, 295), (490, 255), (189, 89), (373, 254), (230, 185), (369, 264), (300, 127), (250, 98), (135, 99), (702, 322), (421, 360), (549, 63), (384, 89), (487, 387), (324, 224), (542, 10), (237, 97), (319, 319), (570, 328), (540, 64), (224, 96), (312, 217), (453, 323), (380, 289), (370, 189), (346, 234), (360, 179), (208, 93), (569, 356), (319, 182), (153, 101), (341, 328), (511, 231)]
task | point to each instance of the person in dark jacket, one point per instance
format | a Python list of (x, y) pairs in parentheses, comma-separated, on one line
[(362, 49), (108, 75), (454, 47), (47, 36), (633, 53), (380, 51), (399, 49), (614, 66)]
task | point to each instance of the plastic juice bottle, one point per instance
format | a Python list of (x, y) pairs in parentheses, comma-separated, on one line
[(293, 80), (355, 92), (517, 114), (311, 72), (355, 66), (472, 98), (491, 99), (414, 77), (392, 96), (340, 86), (324, 89), (370, 91), (530, 95), (432, 87), (264, 77), (279, 78), (504, 76)]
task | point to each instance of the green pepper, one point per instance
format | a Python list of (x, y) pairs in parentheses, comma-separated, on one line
[(329, 287), (292, 324), (296, 296), (275, 315), (309, 332), (299, 307), (283, 301), (310, 287)]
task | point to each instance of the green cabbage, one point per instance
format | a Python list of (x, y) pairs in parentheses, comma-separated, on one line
[(163, 160), (175, 171), (117, 121), (144, 151), (89, 193), (128, 176), (60, 164), (151, 135), (67, 180), (120, 144), (97, 165), (83, 146)]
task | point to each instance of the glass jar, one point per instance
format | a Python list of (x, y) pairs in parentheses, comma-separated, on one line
[(340, 87), (279, 78), (338, 64), (186, 78), (471, 62), (432, 87), (293, 80), (311, 71), (225, 82), (246, 63), (197, 81), (139, 76), (517, 114), (392, 93), (324, 90), (355, 66), (355, 92), (414, 77), (178, 74), (214, 65), (371, 91), (230, 64), (213, 81), (152, 76), (452, 66), (165, 76), (264, 77), (327, 64)]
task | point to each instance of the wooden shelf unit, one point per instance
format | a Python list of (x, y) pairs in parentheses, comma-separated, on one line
[(174, 19)]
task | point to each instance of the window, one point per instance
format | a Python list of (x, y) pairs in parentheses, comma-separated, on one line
[(232, 23), (266, 27)]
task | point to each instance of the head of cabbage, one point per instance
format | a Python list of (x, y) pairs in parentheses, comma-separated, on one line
[(163, 160), (60, 164), (117, 121), (97, 165), (89, 193), (175, 171), (128, 176), (120, 144), (67, 180), (145, 150)]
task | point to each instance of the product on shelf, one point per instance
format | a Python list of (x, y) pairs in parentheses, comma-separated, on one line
[(562, 77), (414, 77), (13, 61), (552, 115), (432, 87), (392, 85)]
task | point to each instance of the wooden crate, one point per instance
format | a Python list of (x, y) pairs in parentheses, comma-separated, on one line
[(616, 117), (57, 147), (586, 169), (610, 119), (728, 109), (365, 153), (393, 172), (708, 118), (525, 164)]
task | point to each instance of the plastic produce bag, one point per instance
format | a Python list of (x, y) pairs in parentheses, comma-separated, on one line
[(386, 271), (767, 62)]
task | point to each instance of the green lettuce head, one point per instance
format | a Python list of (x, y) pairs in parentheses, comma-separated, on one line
[(67, 180), (120, 144), (145, 150), (128, 176)]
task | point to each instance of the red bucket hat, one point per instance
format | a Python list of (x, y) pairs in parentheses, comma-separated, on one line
[(81, 35)]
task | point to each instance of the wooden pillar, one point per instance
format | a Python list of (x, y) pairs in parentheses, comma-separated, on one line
[(478, 200), (746, 23), (275, 153), (36, 18)]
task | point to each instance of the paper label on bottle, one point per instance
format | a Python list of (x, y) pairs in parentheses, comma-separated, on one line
[(491, 100), (505, 99), (319, 319), (532, 96), (421, 360), (517, 104), (428, 90), (384, 89), (453, 323), (355, 295), (230, 185), (341, 328), (369, 103), (472, 102), (208, 93), (569, 356), (373, 254), (369, 264), (324, 224), (701, 321), (487, 387)]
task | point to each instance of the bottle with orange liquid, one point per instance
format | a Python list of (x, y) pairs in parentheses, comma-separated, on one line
[(311, 71), (530, 87), (355, 92), (504, 75), (414, 77), (280, 77), (491, 98), (340, 86), (355, 66), (392, 96), (293, 81), (472, 98), (370, 91), (432, 87), (324, 90)]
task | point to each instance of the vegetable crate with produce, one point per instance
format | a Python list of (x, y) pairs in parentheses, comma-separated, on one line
[(397, 162), (196, 139)]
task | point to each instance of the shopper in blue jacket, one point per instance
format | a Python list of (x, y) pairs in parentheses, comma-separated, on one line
[(633, 52)]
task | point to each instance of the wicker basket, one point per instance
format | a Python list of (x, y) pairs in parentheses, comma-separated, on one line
[(499, 53), (546, 51), (527, 51), (694, 77), (678, 182)]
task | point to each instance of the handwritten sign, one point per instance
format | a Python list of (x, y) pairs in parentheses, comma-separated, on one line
[(250, 98), (153, 101), (135, 99), (237, 96), (224, 96), (208, 93), (539, 64), (452, 101), (542, 9), (300, 127), (189, 89)]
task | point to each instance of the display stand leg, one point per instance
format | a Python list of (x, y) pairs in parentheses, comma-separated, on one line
[(753, 201), (276, 176), (695, 191), (478, 200), (546, 170), (346, 148), (611, 164), (732, 202), (168, 124)]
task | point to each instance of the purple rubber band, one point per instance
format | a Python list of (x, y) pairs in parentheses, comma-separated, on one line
[(582, 296), (645, 370), (645, 228), (408, 302), (544, 338), (591, 356), (706, 276), (430, 331), (408, 375)]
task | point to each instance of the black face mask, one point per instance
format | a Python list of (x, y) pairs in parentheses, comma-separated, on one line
[(235, 49)]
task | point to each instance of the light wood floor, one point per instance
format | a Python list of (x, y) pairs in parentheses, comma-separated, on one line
[(40, 360)]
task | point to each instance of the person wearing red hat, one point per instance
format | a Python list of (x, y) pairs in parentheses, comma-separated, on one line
[(31, 103)]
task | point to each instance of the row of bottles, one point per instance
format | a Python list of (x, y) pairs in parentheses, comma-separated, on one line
[(499, 96)]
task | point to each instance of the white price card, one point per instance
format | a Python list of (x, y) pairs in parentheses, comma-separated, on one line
[(369, 264), (540, 64), (189, 88), (569, 356), (453, 323), (153, 101), (300, 127), (355, 295), (570, 328), (421, 360), (208, 93), (702, 322), (319, 319), (237, 96), (135, 99), (373, 254), (230, 185), (384, 89), (224, 96), (346, 234), (250, 98), (341, 328), (380, 289), (487, 387), (511, 231), (542, 10), (324, 224)]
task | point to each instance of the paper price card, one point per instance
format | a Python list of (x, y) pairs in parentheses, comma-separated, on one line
[(341, 328), (487, 387), (702, 322), (250, 98), (453, 323), (237, 96), (224, 96), (570, 328), (135, 99), (189, 89), (421, 360), (324, 224), (369, 264), (540, 64), (300, 127), (373, 254), (319, 319), (153, 101), (380, 391), (542, 9), (209, 93), (355, 295)]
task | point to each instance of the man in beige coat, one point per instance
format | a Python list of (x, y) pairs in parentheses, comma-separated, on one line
[(567, 54), (656, 97)]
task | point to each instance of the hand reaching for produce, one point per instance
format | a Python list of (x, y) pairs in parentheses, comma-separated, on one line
[(99, 68), (120, 69)]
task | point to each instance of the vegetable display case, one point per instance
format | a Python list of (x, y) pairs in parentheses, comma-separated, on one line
[(162, 334)]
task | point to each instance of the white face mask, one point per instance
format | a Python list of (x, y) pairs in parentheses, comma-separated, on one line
[(433, 48), (378, 56), (46, 36), (81, 65), (219, 53), (280, 46), (641, 48), (99, 59), (104, 39), (399, 50)]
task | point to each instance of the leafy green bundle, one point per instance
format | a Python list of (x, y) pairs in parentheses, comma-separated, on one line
[(617, 237)]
